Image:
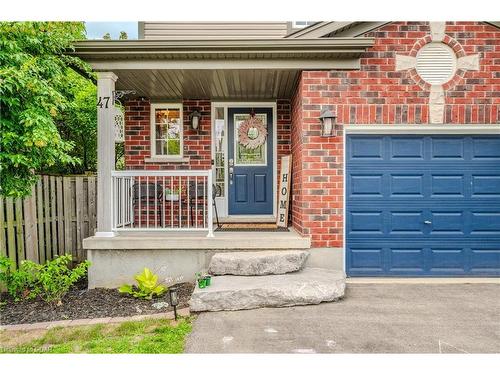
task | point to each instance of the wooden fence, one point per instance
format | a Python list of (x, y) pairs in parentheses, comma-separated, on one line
[(54, 220)]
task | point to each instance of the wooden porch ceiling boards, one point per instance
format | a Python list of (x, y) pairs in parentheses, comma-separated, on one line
[(256, 69), (209, 84)]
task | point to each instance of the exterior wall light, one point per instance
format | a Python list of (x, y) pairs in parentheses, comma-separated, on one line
[(328, 122), (195, 119), (174, 300)]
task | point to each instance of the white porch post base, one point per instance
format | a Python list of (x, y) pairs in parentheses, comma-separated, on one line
[(105, 151), (105, 234)]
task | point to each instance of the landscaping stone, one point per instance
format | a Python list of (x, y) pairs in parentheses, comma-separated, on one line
[(160, 305), (253, 263), (308, 286)]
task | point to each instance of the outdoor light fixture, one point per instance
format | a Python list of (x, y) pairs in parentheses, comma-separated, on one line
[(328, 122), (195, 119), (174, 301)]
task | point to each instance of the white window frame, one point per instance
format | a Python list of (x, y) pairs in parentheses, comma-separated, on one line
[(154, 107)]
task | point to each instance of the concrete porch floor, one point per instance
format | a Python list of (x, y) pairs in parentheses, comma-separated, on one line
[(199, 240)]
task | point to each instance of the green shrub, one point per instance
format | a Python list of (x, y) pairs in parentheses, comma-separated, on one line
[(20, 283), (147, 286), (49, 281), (55, 278)]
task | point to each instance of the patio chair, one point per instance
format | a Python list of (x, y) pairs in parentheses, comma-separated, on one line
[(198, 192), (148, 191)]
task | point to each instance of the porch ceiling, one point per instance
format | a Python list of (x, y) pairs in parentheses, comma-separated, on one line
[(215, 84), (218, 69)]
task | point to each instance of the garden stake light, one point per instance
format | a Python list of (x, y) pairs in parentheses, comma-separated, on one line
[(173, 299)]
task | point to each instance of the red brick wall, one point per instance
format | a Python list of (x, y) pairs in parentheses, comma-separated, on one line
[(377, 94), (138, 143), (197, 144)]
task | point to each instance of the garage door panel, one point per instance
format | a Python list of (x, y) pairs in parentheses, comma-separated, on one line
[(485, 259), (448, 259), (366, 148), (423, 205), (407, 185), (406, 259), (486, 148), (447, 148), (407, 148), (368, 185), (487, 186), (485, 222), (367, 259), (446, 185), (406, 222), (447, 223), (364, 222)]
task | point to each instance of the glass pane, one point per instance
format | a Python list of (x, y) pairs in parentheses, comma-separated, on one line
[(168, 125), (173, 147), (246, 155)]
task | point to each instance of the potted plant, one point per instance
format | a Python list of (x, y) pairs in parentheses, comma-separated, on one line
[(208, 280), (172, 194), (200, 280)]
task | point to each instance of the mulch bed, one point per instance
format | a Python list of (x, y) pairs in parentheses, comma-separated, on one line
[(83, 303)]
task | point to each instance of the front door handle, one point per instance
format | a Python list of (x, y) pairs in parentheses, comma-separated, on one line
[(427, 222), (231, 171)]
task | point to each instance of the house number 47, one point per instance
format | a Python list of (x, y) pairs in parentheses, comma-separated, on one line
[(103, 102)]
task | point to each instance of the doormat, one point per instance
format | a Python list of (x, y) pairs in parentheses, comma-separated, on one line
[(250, 227)]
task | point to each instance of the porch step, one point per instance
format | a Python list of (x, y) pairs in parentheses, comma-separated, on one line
[(254, 263), (309, 286)]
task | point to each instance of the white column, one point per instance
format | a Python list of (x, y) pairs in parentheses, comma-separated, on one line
[(105, 152)]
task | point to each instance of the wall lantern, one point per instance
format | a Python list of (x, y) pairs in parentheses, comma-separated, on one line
[(174, 300), (195, 119), (328, 122)]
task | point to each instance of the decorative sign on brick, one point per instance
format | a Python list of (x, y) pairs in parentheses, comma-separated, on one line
[(284, 192)]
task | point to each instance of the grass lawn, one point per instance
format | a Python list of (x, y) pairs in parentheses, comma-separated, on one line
[(148, 336)]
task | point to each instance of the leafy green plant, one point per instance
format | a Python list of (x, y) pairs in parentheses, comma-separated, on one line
[(33, 98), (20, 283), (55, 277), (50, 281), (147, 286)]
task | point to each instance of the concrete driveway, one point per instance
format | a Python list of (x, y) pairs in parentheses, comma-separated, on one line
[(372, 318)]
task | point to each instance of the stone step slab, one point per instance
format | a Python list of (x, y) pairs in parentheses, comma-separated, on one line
[(309, 286), (253, 263)]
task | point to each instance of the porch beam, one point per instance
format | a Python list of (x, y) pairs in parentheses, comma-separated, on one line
[(291, 64), (105, 152)]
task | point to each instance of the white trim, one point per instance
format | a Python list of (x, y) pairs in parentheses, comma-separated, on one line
[(230, 104), (152, 125), (165, 159), (170, 172), (422, 129), (402, 129), (243, 64)]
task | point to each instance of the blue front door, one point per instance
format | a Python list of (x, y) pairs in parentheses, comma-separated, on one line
[(250, 161), (423, 205)]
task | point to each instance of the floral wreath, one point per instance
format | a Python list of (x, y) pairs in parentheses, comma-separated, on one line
[(252, 123)]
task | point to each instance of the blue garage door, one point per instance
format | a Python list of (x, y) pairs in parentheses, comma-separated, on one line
[(423, 205)]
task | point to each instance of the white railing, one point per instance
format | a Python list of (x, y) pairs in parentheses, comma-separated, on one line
[(162, 200)]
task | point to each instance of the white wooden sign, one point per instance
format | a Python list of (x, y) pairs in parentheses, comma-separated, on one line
[(284, 191)]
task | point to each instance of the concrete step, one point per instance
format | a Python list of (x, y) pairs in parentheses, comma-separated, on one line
[(253, 263), (309, 286)]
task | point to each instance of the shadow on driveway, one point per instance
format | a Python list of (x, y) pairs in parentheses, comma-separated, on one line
[(372, 318)]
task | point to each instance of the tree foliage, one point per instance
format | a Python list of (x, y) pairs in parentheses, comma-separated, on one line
[(34, 88)]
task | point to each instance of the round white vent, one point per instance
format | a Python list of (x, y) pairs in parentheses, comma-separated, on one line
[(436, 63)]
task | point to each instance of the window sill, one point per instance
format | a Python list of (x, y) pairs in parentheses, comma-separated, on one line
[(159, 159)]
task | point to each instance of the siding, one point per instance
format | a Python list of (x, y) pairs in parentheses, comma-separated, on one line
[(213, 30)]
